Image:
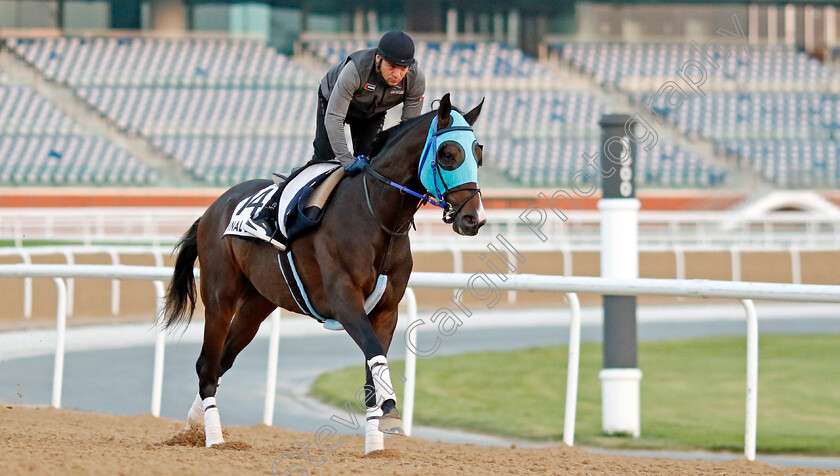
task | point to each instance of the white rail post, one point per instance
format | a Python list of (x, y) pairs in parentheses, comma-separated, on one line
[(568, 269), (457, 259), (410, 363), (115, 285), (60, 332), (679, 259), (573, 371), (27, 285), (735, 257), (160, 348), (457, 262), (271, 380), (752, 380), (157, 252), (512, 292), (795, 265), (71, 283), (18, 233)]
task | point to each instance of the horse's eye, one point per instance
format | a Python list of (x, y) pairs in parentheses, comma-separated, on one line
[(450, 155), (478, 150)]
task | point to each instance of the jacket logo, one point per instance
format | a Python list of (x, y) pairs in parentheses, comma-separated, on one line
[(370, 86), (397, 91)]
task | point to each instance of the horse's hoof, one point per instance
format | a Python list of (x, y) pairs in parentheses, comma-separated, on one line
[(391, 423)]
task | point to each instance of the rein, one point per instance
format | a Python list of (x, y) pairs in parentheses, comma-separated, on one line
[(426, 198), (399, 231)]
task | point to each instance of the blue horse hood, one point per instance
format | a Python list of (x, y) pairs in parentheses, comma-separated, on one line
[(437, 180)]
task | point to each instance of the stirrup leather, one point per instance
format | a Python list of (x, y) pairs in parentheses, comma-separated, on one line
[(261, 233)]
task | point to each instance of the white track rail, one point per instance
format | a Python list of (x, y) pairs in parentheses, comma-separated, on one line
[(561, 228)]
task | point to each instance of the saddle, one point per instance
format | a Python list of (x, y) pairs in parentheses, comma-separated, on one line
[(303, 199), (306, 206)]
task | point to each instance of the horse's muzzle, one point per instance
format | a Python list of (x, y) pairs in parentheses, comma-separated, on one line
[(468, 224), (465, 219)]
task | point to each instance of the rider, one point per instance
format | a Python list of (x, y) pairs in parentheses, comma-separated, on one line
[(358, 91)]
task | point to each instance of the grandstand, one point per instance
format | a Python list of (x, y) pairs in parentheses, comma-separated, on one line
[(774, 110), (187, 97), (225, 123), (222, 108), (130, 61), (645, 66), (41, 145)]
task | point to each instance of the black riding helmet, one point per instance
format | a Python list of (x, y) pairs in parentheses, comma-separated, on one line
[(396, 47)]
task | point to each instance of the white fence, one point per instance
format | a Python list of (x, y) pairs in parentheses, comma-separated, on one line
[(658, 230), (455, 249), (744, 291), (70, 253)]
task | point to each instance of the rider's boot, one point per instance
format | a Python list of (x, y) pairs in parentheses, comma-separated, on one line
[(263, 225)]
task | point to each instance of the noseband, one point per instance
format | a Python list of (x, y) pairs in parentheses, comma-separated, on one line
[(448, 213)]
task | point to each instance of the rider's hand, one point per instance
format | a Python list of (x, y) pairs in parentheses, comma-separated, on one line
[(358, 165)]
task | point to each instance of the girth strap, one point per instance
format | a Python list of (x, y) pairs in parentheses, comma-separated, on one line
[(290, 274)]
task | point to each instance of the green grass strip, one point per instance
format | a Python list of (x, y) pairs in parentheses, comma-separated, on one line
[(693, 394)]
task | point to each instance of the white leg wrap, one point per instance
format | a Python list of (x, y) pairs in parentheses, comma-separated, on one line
[(374, 439), (378, 366), (195, 418), (212, 423)]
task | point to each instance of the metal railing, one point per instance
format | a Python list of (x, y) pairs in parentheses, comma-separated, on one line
[(455, 249), (744, 291), (657, 229)]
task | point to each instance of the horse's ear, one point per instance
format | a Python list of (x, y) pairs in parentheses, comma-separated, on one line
[(444, 110), (473, 115)]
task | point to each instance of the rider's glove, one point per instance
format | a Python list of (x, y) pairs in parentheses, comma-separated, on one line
[(358, 165)]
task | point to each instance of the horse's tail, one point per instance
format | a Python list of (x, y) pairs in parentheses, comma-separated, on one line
[(180, 296)]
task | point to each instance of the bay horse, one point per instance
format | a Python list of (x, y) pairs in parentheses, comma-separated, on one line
[(363, 235)]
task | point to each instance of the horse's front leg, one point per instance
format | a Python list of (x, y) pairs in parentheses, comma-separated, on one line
[(383, 324), (381, 399), (381, 418), (374, 438)]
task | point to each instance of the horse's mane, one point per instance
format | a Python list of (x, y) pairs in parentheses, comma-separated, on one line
[(388, 136)]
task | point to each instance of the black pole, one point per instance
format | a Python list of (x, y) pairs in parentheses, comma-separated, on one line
[(618, 163)]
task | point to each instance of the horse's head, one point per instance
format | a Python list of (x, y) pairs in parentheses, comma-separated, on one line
[(449, 167)]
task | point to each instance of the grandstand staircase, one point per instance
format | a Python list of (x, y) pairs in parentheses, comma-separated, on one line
[(620, 101), (171, 172)]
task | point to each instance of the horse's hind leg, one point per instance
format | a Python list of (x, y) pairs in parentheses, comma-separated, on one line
[(253, 309), (220, 292)]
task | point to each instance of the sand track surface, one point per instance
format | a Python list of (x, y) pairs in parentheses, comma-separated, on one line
[(49, 441)]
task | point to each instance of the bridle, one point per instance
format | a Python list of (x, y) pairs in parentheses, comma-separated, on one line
[(439, 197), (432, 148)]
